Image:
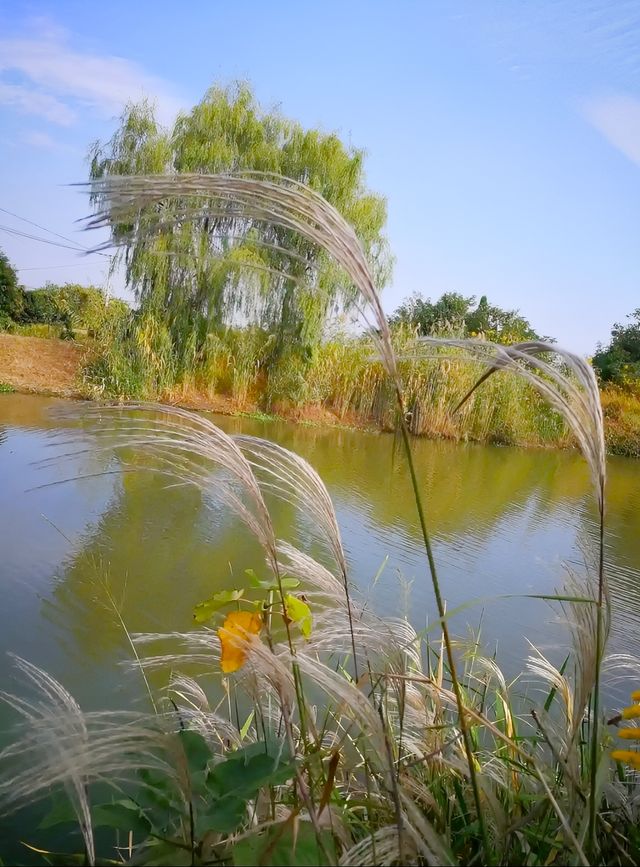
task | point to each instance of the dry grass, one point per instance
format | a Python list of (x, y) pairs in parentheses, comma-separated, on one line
[(621, 409), (40, 365)]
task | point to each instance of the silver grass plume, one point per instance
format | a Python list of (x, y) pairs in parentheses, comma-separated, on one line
[(289, 477), (273, 200), (59, 744), (187, 447), (573, 391)]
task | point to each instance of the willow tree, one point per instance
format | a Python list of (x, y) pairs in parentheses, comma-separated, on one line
[(221, 269)]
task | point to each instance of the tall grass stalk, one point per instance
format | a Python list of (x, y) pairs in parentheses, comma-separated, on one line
[(279, 201), (445, 630)]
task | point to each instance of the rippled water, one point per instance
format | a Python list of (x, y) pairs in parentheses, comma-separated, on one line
[(505, 522)]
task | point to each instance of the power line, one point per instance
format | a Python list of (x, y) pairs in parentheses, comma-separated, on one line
[(20, 234), (43, 228), (31, 237), (49, 267)]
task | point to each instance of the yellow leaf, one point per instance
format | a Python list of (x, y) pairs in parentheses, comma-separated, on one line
[(237, 628), (300, 613)]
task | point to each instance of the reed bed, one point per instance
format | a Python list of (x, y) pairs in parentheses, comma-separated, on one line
[(341, 379), (341, 737)]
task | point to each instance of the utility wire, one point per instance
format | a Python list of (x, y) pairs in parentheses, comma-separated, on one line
[(31, 237), (43, 228), (49, 267)]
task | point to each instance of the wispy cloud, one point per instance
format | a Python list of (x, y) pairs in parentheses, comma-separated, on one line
[(617, 117), (57, 79), (42, 140), (27, 100)]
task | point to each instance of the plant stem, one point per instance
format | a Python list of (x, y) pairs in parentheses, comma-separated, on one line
[(591, 843), (445, 630)]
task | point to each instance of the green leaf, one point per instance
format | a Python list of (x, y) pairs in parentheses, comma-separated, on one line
[(124, 815), (300, 613), (289, 583), (247, 723), (276, 748), (196, 749), (277, 846), (60, 813), (205, 610), (243, 778), (223, 816), (254, 581), (162, 853), (157, 792)]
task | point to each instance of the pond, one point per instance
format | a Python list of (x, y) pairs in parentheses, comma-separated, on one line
[(505, 522)]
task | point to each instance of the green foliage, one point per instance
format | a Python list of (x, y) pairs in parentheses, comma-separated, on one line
[(132, 356), (187, 817), (201, 283), (205, 610), (620, 361), (71, 306), (5, 388), (341, 375), (11, 294), (284, 844), (453, 313), (53, 311)]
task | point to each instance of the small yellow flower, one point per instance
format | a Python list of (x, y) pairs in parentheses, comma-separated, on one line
[(632, 712), (627, 757), (631, 734), (236, 629)]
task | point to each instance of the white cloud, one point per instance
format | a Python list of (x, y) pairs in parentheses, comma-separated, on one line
[(40, 139), (29, 101), (58, 79), (617, 117)]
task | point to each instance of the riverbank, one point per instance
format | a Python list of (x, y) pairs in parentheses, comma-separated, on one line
[(54, 367), (38, 365)]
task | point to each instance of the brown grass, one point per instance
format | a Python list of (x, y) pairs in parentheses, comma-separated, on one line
[(39, 365)]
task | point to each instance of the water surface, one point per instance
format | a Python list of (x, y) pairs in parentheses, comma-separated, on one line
[(505, 522)]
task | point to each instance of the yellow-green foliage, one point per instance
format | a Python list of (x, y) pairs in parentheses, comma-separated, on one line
[(346, 378), (138, 358), (622, 420)]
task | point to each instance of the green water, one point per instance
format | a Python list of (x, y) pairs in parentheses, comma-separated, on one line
[(504, 521)]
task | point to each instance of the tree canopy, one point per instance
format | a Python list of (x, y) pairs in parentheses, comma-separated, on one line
[(220, 270), (456, 313), (11, 293), (620, 361)]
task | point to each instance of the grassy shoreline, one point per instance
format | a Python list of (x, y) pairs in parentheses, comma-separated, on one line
[(41, 365)]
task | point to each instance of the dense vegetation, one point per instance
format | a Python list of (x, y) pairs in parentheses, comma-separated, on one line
[(54, 311), (619, 362), (455, 313)]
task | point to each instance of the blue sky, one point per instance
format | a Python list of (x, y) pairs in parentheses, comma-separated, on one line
[(505, 136)]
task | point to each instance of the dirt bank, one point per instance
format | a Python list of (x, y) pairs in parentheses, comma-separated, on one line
[(45, 366), (41, 366)]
